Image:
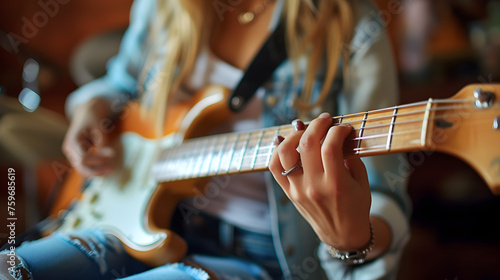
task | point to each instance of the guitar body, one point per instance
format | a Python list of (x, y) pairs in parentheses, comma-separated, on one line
[(129, 203)]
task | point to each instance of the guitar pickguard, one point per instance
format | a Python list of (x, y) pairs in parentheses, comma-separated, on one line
[(118, 202)]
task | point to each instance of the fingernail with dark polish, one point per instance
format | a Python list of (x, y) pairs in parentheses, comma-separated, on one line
[(278, 139), (298, 125)]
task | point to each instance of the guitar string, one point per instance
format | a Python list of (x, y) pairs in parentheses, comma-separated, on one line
[(192, 142), (385, 135), (257, 159), (421, 103), (260, 160), (359, 121), (408, 121), (401, 114), (368, 127)]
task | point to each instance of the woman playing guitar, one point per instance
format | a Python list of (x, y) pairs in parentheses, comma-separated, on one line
[(323, 216)]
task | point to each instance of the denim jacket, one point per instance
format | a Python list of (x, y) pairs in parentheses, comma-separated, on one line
[(370, 84)]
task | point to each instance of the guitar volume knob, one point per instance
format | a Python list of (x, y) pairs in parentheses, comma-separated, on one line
[(94, 198), (76, 222)]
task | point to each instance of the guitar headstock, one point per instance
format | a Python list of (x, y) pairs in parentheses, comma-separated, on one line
[(468, 126)]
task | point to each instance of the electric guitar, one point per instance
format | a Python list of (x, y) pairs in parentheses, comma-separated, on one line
[(135, 203)]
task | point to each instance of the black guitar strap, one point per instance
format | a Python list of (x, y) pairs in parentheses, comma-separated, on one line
[(269, 57)]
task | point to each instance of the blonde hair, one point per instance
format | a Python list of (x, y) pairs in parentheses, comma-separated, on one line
[(320, 30)]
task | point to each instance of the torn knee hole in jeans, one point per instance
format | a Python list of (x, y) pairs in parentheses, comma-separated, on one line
[(20, 272), (18, 268)]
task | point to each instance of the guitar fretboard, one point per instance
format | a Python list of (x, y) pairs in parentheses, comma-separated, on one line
[(390, 130)]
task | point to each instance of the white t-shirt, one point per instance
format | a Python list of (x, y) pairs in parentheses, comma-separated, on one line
[(241, 199)]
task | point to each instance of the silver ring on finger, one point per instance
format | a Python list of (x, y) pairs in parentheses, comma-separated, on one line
[(289, 171)]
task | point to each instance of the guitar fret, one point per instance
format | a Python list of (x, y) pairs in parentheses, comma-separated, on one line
[(184, 165), (205, 169), (221, 153), (243, 151), (271, 147), (231, 152), (199, 158), (425, 122), (190, 161), (168, 163), (182, 162), (195, 158), (391, 129), (378, 148), (257, 150), (361, 130)]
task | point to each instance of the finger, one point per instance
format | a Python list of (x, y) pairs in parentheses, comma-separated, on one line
[(92, 138), (104, 152), (97, 137), (332, 152), (72, 153), (95, 161), (310, 144), (275, 165), (288, 154), (92, 171), (100, 156), (83, 140), (357, 169), (71, 148)]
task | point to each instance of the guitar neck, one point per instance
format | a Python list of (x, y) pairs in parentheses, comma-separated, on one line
[(222, 154), (391, 130)]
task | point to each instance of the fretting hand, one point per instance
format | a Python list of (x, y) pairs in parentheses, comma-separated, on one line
[(330, 191)]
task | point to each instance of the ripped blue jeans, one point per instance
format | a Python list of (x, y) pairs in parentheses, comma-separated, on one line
[(93, 254), (66, 257)]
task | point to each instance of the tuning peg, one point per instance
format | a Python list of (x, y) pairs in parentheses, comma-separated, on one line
[(484, 99)]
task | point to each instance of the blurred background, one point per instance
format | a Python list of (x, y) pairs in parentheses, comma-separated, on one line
[(49, 47)]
